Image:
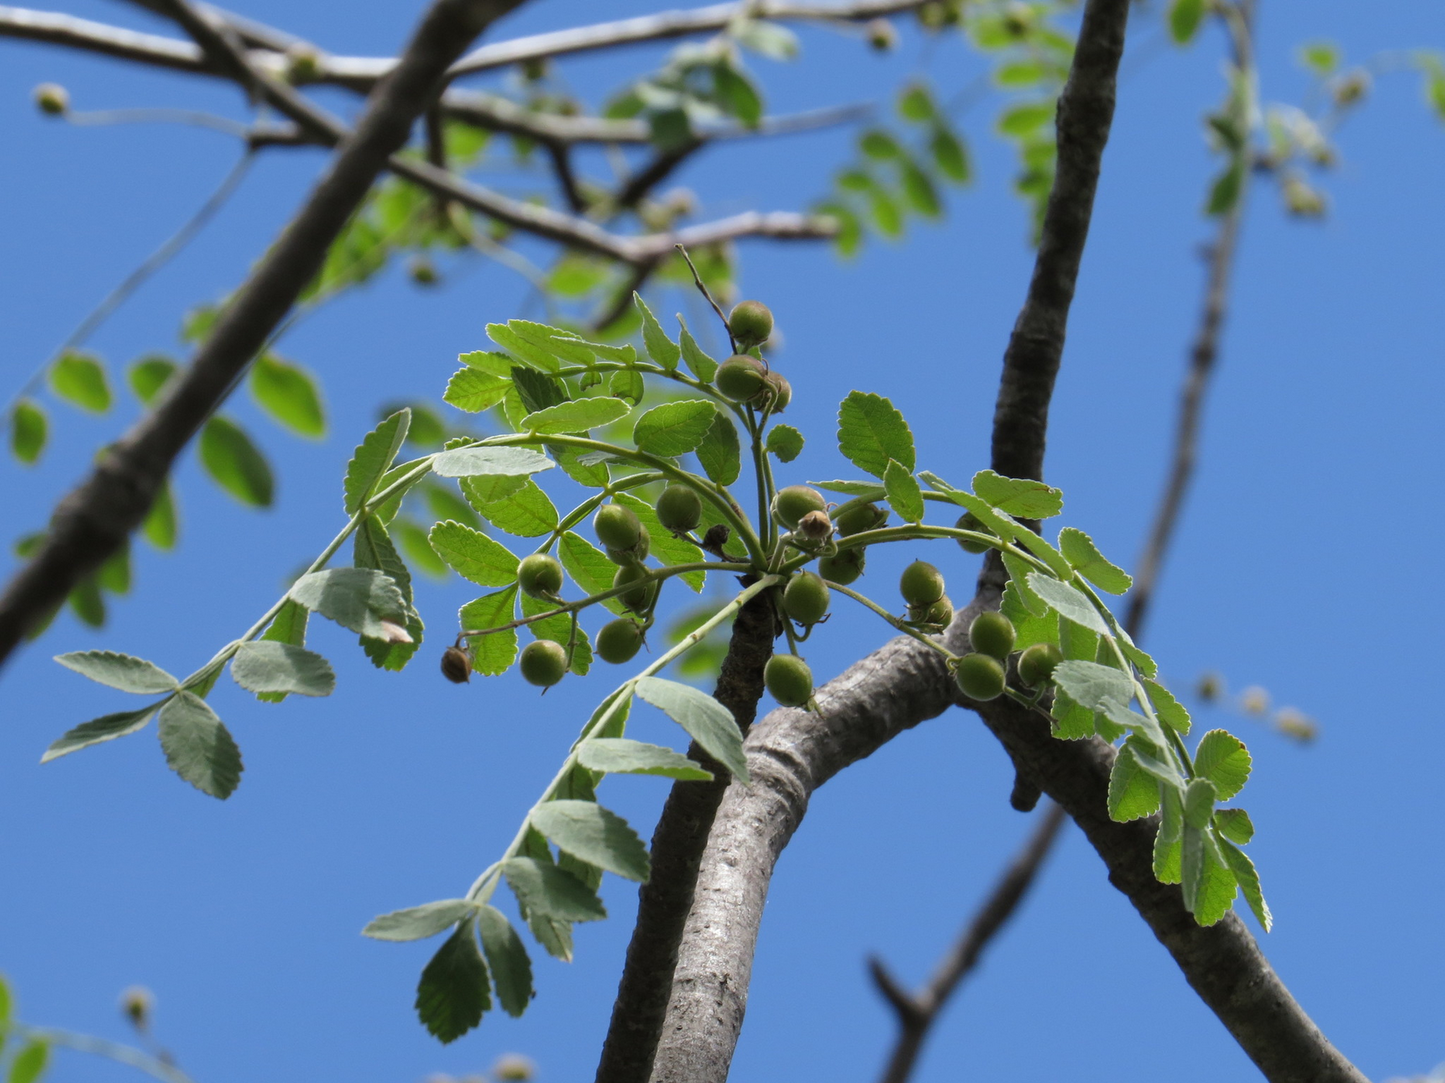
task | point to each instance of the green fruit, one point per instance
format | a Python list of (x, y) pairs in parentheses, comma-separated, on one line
[(993, 634), (53, 100), (617, 527), (637, 599), (1036, 664), (679, 508), (636, 555), (843, 567), (619, 641), (921, 584), (968, 521), (789, 680), (540, 576), (859, 518), (543, 663), (750, 323), (805, 598), (741, 377), (939, 613), (794, 502), (777, 393), (980, 677)]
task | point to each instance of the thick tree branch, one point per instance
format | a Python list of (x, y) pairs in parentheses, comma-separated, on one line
[(664, 901), (97, 517), (918, 1011)]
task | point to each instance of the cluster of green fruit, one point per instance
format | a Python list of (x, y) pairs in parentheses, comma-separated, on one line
[(743, 377)]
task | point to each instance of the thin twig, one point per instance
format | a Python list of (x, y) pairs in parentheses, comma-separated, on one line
[(101, 1047), (133, 281), (702, 289), (918, 1011)]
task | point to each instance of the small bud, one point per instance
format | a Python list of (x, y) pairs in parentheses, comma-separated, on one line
[(534, 69), (423, 271), (1296, 724), (514, 1068), (881, 35), (136, 1003), (1302, 200), (815, 526), (1351, 87), (456, 665), (395, 633), (1254, 700), (303, 64), (1210, 687), (52, 99)]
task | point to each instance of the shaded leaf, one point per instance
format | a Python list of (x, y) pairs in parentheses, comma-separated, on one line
[(29, 429), (579, 415), (281, 668), (1080, 551), (1133, 792), (904, 496), (355, 598), (593, 834), (373, 458), (785, 442), (79, 379), (106, 728), (511, 968), (1067, 601), (702, 366), (160, 527), (674, 428), (198, 747), (29, 1064), (542, 888), (1184, 19), (235, 463), (122, 671), (706, 720), (528, 512), (419, 922), (1023, 497), (659, 347), (473, 390), (454, 991), (494, 653), (1248, 878), (148, 376), (719, 452), (474, 555), (1234, 824), (618, 755)]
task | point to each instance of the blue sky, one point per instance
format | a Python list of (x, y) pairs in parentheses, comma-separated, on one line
[(1306, 563)]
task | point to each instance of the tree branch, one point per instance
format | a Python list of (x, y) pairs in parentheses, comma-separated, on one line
[(97, 517)]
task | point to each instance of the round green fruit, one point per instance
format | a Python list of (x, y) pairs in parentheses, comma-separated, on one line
[(806, 597), (789, 680), (1036, 664), (859, 518), (750, 323), (540, 576), (921, 584), (993, 634), (638, 598), (617, 527), (52, 99), (794, 502), (619, 641), (939, 613), (679, 508), (777, 392), (543, 663), (980, 677), (636, 555), (741, 378), (968, 521), (843, 567)]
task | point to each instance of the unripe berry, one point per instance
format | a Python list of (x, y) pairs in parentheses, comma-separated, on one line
[(805, 599), (679, 508), (980, 677), (881, 35), (638, 598), (859, 518), (636, 555), (815, 526), (741, 378), (789, 680), (794, 502), (921, 584), (993, 634), (617, 527), (52, 99), (1036, 664), (750, 323), (456, 665), (543, 663), (968, 521), (619, 641), (843, 567), (540, 576), (940, 613), (422, 271), (777, 392)]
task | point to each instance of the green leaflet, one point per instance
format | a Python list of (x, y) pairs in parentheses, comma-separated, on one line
[(1023, 497), (282, 668), (719, 452), (235, 463), (494, 653), (454, 991), (588, 566), (702, 366), (674, 428), (511, 968), (355, 598), (544, 889), (79, 379), (1080, 551), (627, 385), (560, 344), (289, 394), (706, 720), (419, 922), (29, 430), (467, 462), (659, 347), (474, 390), (871, 431), (106, 728), (1067, 601), (160, 526), (785, 442), (1208, 883), (473, 555), (288, 626), (1133, 792), (198, 747), (411, 540), (538, 357), (618, 755), (372, 458), (593, 834), (29, 1064), (1222, 759), (580, 415), (1167, 841), (149, 375), (1248, 878), (904, 496), (122, 671), (869, 489), (537, 390), (1184, 19), (528, 512), (1234, 824), (1170, 711)]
